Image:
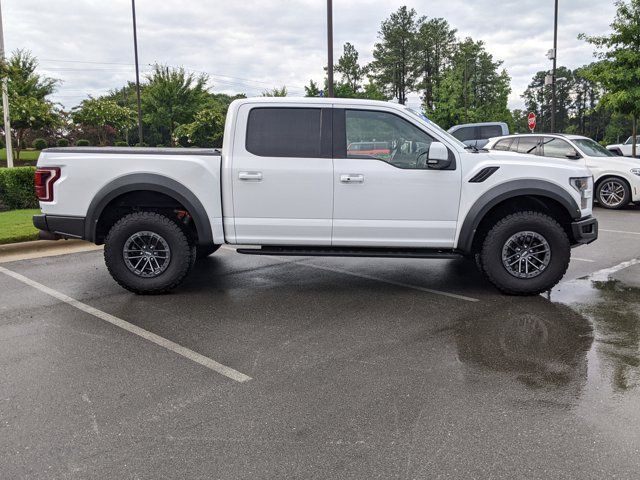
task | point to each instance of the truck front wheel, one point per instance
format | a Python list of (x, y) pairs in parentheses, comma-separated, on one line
[(525, 253), (148, 253)]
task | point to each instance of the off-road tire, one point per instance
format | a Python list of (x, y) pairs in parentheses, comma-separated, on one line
[(203, 251), (492, 248), (181, 260)]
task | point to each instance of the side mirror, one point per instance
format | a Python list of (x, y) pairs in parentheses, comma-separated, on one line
[(572, 154), (438, 156)]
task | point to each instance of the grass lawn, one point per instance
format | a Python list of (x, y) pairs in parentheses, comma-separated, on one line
[(17, 226), (27, 158)]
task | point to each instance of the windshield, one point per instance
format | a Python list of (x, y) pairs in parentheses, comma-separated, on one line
[(592, 149), (628, 142), (423, 118)]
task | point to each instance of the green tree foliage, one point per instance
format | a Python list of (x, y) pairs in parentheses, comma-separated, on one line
[(30, 110), (206, 129), (101, 113), (618, 69), (349, 69), (393, 66), (473, 89), (275, 92), (171, 97), (435, 46)]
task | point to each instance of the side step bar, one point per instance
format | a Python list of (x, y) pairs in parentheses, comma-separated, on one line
[(351, 252)]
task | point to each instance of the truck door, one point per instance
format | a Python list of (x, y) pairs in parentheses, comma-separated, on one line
[(388, 196), (282, 175)]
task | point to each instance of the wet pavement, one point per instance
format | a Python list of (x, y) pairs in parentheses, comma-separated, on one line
[(360, 368)]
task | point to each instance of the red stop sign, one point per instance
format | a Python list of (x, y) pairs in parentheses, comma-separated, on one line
[(531, 120)]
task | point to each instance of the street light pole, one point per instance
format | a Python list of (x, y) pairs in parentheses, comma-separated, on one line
[(5, 102), (135, 48), (553, 73), (330, 46)]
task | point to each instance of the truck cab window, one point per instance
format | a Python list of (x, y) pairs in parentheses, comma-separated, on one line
[(284, 132), (386, 137)]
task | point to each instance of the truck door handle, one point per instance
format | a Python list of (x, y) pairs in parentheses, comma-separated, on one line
[(255, 176), (352, 178)]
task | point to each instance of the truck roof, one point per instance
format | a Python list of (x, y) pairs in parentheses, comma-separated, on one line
[(318, 101), (137, 150)]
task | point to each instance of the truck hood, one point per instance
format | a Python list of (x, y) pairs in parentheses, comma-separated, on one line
[(525, 158)]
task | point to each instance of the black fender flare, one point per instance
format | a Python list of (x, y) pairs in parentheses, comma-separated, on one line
[(512, 189), (155, 183)]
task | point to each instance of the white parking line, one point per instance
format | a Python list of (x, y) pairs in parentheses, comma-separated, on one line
[(391, 282), (370, 277), (582, 259), (618, 231), (152, 337)]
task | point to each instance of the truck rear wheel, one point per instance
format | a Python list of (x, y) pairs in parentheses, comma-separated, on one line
[(148, 253), (525, 253)]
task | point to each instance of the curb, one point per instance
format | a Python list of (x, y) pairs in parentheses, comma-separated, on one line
[(43, 248)]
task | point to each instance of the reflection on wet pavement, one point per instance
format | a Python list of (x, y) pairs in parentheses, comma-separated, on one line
[(542, 344), (614, 310)]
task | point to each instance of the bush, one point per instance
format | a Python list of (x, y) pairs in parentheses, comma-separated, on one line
[(120, 143), (160, 145), (17, 189), (40, 144), (82, 143), (62, 142)]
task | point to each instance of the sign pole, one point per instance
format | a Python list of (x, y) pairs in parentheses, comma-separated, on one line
[(5, 102)]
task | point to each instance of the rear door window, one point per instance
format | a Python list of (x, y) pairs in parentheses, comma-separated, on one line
[(465, 133), (284, 132), (528, 145), (489, 131)]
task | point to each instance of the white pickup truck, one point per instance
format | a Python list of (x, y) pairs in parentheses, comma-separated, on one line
[(319, 177)]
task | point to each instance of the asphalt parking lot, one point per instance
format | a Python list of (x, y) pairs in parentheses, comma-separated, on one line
[(263, 367)]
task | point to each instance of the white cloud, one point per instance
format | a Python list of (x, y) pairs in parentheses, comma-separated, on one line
[(249, 46)]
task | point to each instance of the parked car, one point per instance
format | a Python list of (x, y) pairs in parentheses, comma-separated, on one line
[(616, 179), (478, 134), (285, 184), (624, 149)]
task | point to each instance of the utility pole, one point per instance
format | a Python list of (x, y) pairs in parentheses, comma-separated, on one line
[(330, 46), (553, 73), (5, 101), (135, 48)]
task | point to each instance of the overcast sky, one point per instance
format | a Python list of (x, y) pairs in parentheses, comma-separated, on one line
[(248, 46)]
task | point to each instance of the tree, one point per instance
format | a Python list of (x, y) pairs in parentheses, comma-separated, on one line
[(618, 70), (350, 70), (102, 113), (393, 65), (435, 46), (312, 90), (537, 98), (275, 92), (172, 97), (206, 130), (29, 113), (474, 89), (27, 91)]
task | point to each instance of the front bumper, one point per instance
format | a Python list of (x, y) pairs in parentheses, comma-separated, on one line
[(60, 226), (585, 230)]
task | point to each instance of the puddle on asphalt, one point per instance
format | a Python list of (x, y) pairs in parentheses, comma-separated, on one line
[(577, 347), (614, 311)]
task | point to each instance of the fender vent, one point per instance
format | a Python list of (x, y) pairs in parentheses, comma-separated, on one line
[(483, 174)]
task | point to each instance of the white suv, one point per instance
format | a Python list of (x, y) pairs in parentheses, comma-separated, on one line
[(616, 179)]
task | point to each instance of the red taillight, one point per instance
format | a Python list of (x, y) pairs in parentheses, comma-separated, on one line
[(44, 179)]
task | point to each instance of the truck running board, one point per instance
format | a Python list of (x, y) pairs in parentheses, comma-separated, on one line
[(351, 252)]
